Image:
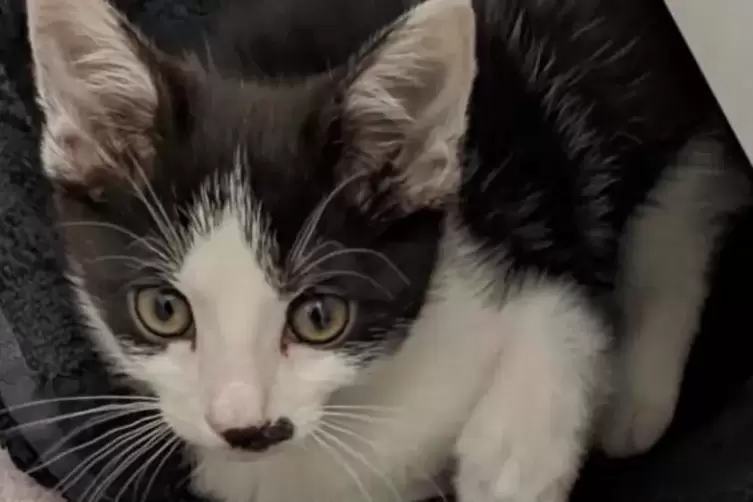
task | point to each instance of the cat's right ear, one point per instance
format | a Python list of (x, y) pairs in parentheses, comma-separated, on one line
[(97, 94), (407, 101)]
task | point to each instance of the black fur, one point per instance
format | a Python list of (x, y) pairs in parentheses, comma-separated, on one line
[(577, 107)]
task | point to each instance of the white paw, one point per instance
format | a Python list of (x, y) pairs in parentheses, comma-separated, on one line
[(639, 415), (477, 484), (518, 464), (525, 439)]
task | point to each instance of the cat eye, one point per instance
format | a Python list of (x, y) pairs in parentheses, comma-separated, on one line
[(161, 312), (319, 319)]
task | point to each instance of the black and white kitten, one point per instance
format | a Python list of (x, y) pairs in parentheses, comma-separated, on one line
[(350, 246)]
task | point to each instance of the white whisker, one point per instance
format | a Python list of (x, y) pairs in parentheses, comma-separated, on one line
[(173, 241), (150, 243), (88, 424), (67, 416), (349, 432), (324, 276), (138, 449), (110, 471), (358, 417), (316, 250), (360, 457), (166, 452), (136, 476), (370, 444), (312, 222), (66, 399), (136, 262), (321, 441), (359, 407), (73, 477), (347, 251)]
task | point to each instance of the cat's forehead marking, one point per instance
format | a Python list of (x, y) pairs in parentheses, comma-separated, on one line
[(230, 238), (223, 276)]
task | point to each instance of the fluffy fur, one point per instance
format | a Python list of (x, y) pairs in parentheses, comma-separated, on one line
[(498, 189)]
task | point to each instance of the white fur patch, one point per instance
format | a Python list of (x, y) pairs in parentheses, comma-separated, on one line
[(526, 436), (237, 376), (390, 431), (393, 432)]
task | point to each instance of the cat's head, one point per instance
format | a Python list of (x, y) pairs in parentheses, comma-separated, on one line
[(247, 247)]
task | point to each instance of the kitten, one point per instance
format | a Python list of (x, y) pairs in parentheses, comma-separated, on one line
[(348, 247)]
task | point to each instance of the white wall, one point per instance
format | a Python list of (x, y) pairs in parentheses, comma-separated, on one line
[(720, 33)]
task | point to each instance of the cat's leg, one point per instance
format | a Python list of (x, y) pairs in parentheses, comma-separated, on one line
[(526, 437), (663, 286)]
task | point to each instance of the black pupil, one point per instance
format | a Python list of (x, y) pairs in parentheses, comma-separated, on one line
[(319, 315), (164, 308)]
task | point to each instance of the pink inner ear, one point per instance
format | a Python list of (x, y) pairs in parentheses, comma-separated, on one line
[(79, 152), (72, 143)]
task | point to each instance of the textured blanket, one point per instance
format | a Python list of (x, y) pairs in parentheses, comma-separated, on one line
[(44, 355), (17, 487), (706, 457)]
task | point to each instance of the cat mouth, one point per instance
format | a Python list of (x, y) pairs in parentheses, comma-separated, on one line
[(244, 451), (238, 455)]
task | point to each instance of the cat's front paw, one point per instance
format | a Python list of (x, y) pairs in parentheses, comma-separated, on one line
[(526, 436), (474, 483), (498, 464)]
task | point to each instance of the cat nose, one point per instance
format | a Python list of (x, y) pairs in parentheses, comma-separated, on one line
[(260, 438), (235, 405)]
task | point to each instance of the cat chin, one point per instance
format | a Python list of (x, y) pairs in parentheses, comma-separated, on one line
[(239, 456), (236, 456)]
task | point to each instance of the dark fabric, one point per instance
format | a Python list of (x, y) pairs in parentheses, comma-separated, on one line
[(707, 457)]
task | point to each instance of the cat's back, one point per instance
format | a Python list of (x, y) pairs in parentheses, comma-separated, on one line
[(627, 58), (626, 61), (577, 109)]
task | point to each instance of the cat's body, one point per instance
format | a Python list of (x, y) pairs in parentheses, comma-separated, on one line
[(475, 261)]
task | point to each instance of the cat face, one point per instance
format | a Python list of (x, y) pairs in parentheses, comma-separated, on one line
[(246, 248)]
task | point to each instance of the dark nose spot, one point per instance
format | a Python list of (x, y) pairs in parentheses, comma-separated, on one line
[(261, 438)]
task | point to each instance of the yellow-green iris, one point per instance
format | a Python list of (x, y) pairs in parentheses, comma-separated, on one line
[(319, 319)]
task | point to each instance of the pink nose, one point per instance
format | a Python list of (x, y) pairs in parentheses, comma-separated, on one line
[(235, 406)]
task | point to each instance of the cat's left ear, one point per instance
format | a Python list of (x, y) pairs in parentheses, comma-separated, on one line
[(96, 92), (407, 100)]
